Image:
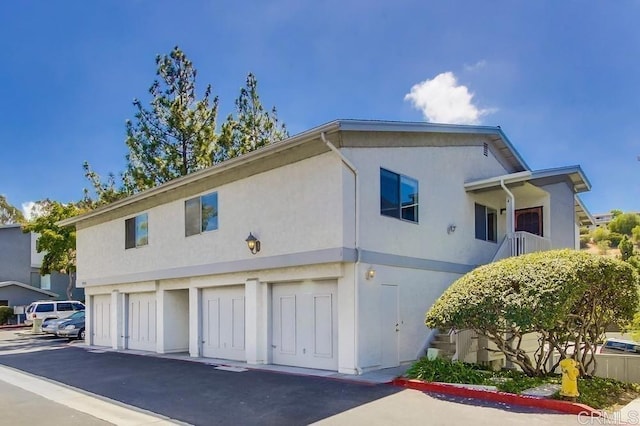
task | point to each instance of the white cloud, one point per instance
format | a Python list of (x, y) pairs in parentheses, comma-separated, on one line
[(31, 209), (442, 100)]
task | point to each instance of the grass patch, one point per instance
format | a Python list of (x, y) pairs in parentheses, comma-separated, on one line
[(596, 392)]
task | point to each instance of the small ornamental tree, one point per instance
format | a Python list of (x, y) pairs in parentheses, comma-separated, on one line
[(567, 297)]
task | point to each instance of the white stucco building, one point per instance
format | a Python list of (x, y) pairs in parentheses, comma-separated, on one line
[(361, 224)]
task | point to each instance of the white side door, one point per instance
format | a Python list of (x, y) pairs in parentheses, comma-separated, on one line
[(389, 325), (305, 325), (141, 321), (223, 325)]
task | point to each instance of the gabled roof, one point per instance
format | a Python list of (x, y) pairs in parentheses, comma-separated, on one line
[(28, 287), (573, 174), (295, 148), (582, 213)]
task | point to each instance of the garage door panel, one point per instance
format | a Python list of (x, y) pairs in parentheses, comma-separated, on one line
[(223, 323), (304, 325), (141, 322), (101, 320), (323, 325)]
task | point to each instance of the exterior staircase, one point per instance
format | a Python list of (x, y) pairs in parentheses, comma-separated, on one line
[(444, 344)]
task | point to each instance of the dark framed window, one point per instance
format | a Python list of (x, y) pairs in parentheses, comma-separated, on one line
[(4, 303), (529, 220), (486, 223), (201, 214), (398, 196), (44, 307), (136, 231)]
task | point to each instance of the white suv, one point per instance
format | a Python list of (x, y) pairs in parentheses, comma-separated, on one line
[(46, 309)]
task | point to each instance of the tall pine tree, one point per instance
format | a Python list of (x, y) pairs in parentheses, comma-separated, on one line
[(253, 127)]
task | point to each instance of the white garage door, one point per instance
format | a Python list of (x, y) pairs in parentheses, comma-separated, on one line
[(141, 322), (304, 320), (223, 323), (101, 320)]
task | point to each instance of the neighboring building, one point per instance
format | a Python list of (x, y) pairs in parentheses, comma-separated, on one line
[(603, 219), (20, 262), (361, 226), (13, 293)]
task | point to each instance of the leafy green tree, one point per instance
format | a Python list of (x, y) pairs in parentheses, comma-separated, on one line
[(8, 213), (626, 248), (635, 234), (253, 127), (624, 223), (566, 297), (58, 243), (615, 213)]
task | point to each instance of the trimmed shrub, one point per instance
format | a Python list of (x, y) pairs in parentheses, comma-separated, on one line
[(615, 239), (566, 296), (6, 313)]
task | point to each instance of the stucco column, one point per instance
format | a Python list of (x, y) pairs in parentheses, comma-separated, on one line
[(256, 321), (195, 314), (160, 314), (347, 312), (117, 319), (88, 315)]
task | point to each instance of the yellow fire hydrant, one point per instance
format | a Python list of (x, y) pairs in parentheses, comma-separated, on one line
[(570, 375)]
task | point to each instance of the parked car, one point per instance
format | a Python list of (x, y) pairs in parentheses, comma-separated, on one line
[(72, 327), (50, 326), (617, 346), (49, 309)]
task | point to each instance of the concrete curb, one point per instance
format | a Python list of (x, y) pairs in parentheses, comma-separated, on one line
[(497, 396)]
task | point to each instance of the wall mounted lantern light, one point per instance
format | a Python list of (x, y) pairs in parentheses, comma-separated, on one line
[(451, 229), (370, 274), (253, 243)]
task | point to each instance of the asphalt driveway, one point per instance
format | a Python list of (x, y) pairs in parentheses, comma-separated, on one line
[(198, 393)]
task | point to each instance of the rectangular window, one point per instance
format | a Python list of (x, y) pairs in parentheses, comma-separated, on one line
[(398, 196), (201, 214), (44, 307), (136, 231), (486, 223), (45, 282), (65, 306)]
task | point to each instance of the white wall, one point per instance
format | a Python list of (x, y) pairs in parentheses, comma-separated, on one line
[(562, 221), (418, 290), (441, 173), (292, 209), (176, 320)]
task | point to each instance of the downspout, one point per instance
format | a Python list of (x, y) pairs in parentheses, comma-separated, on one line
[(353, 169), (510, 209)]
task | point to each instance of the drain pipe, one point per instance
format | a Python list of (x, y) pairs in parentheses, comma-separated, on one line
[(353, 169), (510, 208)]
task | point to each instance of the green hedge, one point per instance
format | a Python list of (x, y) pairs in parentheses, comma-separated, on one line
[(6, 313)]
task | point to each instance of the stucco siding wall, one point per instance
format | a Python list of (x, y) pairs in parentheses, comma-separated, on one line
[(417, 291), (15, 255), (562, 220), (292, 209), (441, 173)]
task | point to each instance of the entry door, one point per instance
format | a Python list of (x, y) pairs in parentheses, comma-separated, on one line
[(141, 322), (389, 325), (101, 320), (529, 220), (223, 327), (305, 321)]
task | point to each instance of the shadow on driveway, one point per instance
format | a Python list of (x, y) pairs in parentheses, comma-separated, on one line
[(197, 393)]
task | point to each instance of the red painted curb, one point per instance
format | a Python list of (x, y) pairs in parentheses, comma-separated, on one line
[(497, 396)]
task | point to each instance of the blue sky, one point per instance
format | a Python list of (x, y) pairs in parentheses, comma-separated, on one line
[(560, 77)]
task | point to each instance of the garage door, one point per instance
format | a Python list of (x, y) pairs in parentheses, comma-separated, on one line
[(304, 321), (223, 323), (101, 320), (141, 322)]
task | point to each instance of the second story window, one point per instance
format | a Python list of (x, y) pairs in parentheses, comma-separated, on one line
[(398, 196), (136, 231), (201, 214)]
